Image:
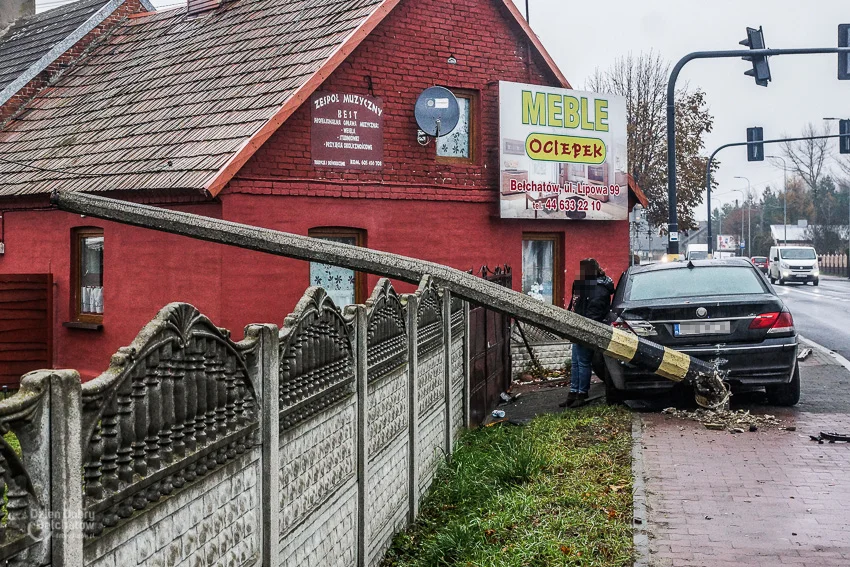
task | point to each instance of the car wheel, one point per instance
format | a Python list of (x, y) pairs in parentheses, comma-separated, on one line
[(815, 282), (781, 281), (785, 394)]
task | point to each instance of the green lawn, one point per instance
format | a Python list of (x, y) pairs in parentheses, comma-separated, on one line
[(555, 492)]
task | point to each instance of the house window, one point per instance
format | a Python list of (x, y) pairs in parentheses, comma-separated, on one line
[(458, 146), (87, 275), (542, 267), (344, 286)]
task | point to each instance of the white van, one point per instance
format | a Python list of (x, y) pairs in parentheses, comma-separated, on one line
[(793, 264)]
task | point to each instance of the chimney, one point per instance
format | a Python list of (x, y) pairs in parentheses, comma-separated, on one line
[(11, 10), (196, 7)]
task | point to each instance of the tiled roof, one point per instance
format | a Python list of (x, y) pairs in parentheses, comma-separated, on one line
[(167, 100), (33, 39)]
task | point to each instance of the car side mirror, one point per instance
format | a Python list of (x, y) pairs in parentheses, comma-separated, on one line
[(776, 258)]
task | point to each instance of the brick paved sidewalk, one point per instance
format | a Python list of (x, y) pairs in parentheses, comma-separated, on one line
[(766, 498)]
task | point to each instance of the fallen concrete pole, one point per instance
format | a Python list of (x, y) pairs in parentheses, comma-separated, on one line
[(666, 362)]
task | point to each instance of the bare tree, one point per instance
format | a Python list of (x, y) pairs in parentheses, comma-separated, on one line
[(808, 157), (642, 81)]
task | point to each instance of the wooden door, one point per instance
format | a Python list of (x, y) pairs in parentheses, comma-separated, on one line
[(26, 322)]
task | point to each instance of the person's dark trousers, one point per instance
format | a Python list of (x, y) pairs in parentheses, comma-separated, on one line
[(580, 373)]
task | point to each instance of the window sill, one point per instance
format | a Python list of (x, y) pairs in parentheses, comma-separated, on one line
[(82, 325)]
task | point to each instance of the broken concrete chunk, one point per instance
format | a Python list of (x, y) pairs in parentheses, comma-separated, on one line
[(715, 426)]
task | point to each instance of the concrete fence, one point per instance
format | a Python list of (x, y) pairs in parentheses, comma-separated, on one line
[(312, 444), (833, 264)]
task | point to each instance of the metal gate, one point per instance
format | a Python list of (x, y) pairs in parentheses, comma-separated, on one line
[(26, 318), (489, 351)]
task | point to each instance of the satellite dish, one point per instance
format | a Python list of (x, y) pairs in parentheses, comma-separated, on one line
[(437, 111)]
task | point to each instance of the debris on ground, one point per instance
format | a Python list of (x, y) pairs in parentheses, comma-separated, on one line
[(804, 354), (831, 437), (735, 421)]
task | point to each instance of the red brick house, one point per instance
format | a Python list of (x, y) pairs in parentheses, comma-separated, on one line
[(208, 110)]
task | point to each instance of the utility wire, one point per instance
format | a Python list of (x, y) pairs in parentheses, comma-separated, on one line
[(47, 169)]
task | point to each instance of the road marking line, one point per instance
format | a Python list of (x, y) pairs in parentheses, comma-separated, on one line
[(819, 295), (838, 358)]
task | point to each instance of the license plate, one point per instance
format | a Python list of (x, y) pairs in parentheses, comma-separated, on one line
[(702, 328)]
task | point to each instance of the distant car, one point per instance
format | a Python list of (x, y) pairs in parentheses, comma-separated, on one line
[(721, 311), (760, 262), (793, 263)]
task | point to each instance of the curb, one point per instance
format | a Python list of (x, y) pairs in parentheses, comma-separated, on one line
[(838, 358), (640, 525)]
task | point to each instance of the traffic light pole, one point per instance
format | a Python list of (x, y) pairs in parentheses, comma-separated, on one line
[(735, 144), (673, 222)]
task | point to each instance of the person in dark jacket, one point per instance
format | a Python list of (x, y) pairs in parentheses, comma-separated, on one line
[(591, 298)]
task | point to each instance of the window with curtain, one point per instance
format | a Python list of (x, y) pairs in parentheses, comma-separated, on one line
[(344, 286), (459, 144), (542, 267), (87, 276)]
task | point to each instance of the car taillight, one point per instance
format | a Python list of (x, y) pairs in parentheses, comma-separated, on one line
[(764, 321), (775, 322), (784, 323)]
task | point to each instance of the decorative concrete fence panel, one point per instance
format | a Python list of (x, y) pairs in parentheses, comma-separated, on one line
[(431, 383), (457, 371), (307, 446), (387, 439), (169, 452), (318, 436)]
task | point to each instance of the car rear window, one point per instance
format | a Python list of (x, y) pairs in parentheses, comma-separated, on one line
[(759, 258), (694, 282), (797, 253)]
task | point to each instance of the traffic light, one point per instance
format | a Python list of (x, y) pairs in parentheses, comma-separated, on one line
[(844, 140), (844, 58), (761, 70), (755, 152)]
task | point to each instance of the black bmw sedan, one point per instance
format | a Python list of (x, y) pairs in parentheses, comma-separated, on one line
[(723, 311)]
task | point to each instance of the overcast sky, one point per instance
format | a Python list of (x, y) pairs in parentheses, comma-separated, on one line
[(582, 36)]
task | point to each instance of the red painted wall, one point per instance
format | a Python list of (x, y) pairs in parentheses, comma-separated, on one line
[(143, 271)]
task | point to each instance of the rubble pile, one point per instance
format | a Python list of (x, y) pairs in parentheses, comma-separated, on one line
[(734, 421)]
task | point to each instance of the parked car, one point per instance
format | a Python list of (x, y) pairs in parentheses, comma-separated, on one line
[(721, 311), (793, 263), (760, 262)]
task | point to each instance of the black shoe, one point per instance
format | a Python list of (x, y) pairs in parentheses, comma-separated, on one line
[(571, 397), (580, 400)]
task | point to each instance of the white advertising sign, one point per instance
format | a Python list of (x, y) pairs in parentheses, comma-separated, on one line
[(727, 242), (562, 154)]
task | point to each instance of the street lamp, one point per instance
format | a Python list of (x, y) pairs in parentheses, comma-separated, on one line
[(784, 199), (749, 222)]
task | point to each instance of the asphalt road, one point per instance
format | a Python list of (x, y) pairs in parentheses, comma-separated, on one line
[(821, 313)]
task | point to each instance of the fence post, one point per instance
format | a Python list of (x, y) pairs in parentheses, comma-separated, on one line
[(66, 493), (447, 367), (413, 407), (467, 371), (361, 370), (267, 366)]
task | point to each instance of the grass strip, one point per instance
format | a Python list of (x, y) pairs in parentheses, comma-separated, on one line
[(555, 492)]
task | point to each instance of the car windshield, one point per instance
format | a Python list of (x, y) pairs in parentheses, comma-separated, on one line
[(694, 282), (797, 253), (697, 255)]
